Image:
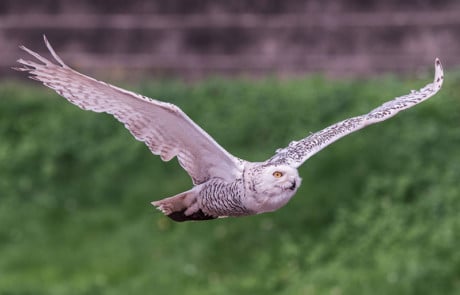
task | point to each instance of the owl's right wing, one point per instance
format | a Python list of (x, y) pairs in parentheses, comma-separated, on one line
[(299, 151), (163, 127)]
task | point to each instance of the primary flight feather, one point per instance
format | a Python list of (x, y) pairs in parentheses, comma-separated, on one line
[(224, 185)]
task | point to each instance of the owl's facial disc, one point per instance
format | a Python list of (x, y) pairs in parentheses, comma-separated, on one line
[(284, 177), (273, 187)]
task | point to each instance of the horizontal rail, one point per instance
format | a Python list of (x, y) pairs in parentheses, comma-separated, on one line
[(219, 20)]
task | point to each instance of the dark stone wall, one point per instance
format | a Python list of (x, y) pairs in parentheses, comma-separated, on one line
[(196, 38)]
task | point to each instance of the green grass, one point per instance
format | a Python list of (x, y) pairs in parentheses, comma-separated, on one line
[(377, 213)]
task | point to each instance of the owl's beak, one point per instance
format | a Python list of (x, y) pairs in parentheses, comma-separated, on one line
[(293, 186)]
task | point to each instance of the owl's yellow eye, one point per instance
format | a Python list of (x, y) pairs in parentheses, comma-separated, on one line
[(277, 174)]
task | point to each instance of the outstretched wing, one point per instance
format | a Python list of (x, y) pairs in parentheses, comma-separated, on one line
[(299, 151), (163, 127)]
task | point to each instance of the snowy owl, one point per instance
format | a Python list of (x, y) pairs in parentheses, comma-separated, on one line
[(224, 185)]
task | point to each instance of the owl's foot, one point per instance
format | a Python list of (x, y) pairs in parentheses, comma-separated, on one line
[(182, 207), (181, 216)]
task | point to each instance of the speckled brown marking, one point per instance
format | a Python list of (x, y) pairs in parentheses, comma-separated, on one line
[(298, 152)]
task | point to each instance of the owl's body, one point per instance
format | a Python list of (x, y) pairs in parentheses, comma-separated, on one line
[(256, 191), (224, 185)]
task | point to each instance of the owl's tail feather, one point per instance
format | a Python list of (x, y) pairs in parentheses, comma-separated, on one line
[(182, 207)]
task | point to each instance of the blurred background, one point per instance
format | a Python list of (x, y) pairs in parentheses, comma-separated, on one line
[(377, 212), (201, 37)]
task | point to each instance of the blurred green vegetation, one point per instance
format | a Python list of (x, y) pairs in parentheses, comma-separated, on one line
[(377, 213)]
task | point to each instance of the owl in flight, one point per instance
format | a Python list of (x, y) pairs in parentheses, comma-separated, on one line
[(224, 185)]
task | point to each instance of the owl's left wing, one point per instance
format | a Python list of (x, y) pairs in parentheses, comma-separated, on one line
[(163, 127), (299, 151)]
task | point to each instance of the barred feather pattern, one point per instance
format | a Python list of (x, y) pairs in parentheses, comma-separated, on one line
[(220, 198)]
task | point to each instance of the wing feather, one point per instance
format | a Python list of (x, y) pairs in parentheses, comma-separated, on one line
[(163, 127), (299, 151)]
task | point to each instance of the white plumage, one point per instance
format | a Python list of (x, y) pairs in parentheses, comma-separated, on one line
[(224, 185)]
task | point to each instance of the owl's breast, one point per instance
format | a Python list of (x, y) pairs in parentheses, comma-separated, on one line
[(220, 198)]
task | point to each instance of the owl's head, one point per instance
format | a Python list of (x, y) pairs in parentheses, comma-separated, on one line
[(272, 186)]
